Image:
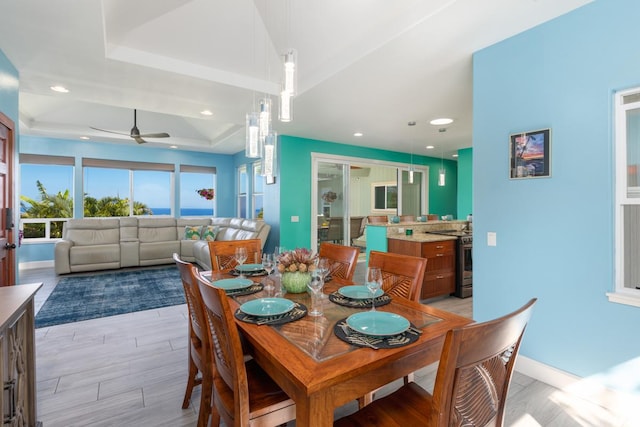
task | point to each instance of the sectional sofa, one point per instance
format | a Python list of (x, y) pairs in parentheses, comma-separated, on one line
[(110, 243)]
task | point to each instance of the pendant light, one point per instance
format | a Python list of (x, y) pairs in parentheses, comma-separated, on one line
[(264, 119), (410, 180), (252, 146), (285, 112), (290, 75), (441, 173), (269, 155)]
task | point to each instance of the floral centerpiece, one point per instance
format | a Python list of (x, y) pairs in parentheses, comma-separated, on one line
[(207, 193), (295, 267)]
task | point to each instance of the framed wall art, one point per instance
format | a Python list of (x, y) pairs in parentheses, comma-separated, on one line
[(530, 154)]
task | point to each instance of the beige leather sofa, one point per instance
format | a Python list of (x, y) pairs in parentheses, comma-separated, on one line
[(108, 243)]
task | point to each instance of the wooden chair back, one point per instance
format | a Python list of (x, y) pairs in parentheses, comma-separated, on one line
[(377, 219), (474, 373), (244, 394), (199, 356), (475, 370), (402, 275), (407, 218), (342, 259), (223, 253)]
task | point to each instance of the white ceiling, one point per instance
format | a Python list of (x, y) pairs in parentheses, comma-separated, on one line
[(364, 65)]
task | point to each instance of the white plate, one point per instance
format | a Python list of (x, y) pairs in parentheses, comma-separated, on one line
[(378, 323), (267, 306), (232, 284), (358, 292), (249, 267)]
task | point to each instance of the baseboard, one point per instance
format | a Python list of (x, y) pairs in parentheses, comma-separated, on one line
[(35, 264), (592, 389)]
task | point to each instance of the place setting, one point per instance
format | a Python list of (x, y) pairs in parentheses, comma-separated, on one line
[(374, 329), (361, 296), (270, 311), (235, 286)]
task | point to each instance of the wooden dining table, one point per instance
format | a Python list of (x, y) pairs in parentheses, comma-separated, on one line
[(319, 371)]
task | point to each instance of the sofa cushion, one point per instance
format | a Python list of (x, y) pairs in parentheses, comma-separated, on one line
[(157, 230), (92, 231), (209, 232), (192, 232)]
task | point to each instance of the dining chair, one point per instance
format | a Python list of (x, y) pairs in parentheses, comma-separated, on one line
[(243, 394), (335, 232), (474, 373), (407, 218), (402, 275), (342, 259), (223, 253), (200, 360), (377, 219)]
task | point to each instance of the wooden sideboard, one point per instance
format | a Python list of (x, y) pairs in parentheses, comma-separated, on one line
[(440, 275), (17, 355)]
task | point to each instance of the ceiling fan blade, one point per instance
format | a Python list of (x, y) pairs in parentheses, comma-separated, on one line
[(110, 131), (139, 140), (155, 135)]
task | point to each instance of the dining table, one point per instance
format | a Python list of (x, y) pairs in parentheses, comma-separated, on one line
[(322, 372)]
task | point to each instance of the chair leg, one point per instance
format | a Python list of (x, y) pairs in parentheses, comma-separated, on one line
[(205, 411), (191, 382)]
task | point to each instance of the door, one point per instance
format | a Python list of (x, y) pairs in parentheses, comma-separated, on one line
[(7, 245)]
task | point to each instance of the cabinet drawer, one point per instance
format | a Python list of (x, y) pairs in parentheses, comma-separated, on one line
[(438, 249), (438, 284)]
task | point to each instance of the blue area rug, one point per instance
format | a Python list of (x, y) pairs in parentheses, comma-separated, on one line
[(107, 294)]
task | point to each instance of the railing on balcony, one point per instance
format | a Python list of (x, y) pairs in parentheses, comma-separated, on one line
[(41, 229)]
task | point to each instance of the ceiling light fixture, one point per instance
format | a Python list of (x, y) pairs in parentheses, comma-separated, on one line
[(269, 155), (441, 172), (430, 147), (252, 145), (60, 89), (358, 134), (290, 77), (441, 121), (206, 113), (410, 180)]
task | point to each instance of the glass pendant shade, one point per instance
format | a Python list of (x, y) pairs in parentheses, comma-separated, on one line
[(285, 113), (290, 72), (411, 175), (269, 155), (265, 119), (252, 146), (441, 178)]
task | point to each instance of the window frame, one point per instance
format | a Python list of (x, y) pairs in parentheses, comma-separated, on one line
[(622, 294)]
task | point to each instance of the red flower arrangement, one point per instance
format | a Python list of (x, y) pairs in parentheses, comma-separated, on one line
[(207, 193)]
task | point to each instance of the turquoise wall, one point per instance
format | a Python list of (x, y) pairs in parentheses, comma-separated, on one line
[(295, 182), (465, 182), (225, 176), (555, 236)]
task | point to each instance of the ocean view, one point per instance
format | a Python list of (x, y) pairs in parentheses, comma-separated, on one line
[(184, 211)]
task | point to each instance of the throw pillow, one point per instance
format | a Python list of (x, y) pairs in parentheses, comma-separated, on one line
[(192, 232), (209, 232)]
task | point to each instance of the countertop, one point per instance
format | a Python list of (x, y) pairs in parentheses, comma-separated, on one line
[(421, 237)]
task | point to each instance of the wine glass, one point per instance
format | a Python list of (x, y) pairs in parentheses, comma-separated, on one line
[(315, 285), (322, 266), (241, 257), (373, 282), (267, 264)]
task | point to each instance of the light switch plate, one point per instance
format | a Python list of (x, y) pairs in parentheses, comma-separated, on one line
[(295, 218), (492, 238)]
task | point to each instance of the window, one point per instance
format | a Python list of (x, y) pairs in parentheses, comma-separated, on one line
[(46, 195), (192, 179), (243, 185), (384, 197), (627, 204), (119, 188), (258, 189)]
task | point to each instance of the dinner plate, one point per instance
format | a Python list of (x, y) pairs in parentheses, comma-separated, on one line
[(358, 292), (267, 306), (249, 267), (232, 284), (378, 323)]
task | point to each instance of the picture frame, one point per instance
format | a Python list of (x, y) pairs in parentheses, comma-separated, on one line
[(530, 154)]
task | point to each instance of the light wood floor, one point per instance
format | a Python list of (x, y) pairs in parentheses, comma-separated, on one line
[(130, 370)]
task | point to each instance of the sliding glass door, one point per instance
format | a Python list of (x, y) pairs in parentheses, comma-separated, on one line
[(346, 190)]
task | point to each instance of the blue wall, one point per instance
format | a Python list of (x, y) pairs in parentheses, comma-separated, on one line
[(555, 236)]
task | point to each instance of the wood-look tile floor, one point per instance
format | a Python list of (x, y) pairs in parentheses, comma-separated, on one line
[(130, 370)]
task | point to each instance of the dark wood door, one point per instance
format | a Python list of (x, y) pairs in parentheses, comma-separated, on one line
[(7, 243)]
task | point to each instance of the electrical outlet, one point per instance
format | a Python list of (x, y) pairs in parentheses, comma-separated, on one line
[(492, 238)]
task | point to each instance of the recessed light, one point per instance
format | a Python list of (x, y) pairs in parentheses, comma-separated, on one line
[(60, 89), (206, 113), (454, 155), (84, 137), (173, 146), (430, 147), (358, 134), (440, 122)]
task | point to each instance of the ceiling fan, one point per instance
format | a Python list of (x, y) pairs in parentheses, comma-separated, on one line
[(135, 132)]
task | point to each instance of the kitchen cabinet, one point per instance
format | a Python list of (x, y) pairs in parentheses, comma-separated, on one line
[(440, 274), (17, 355)]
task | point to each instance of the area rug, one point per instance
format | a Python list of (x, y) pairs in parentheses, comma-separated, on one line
[(108, 294)]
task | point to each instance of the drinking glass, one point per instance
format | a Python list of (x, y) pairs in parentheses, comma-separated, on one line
[(241, 257), (267, 264), (373, 282), (322, 266), (315, 285)]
